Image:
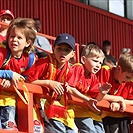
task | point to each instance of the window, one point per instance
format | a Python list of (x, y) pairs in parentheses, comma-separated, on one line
[(116, 7), (122, 8), (103, 4), (130, 9)]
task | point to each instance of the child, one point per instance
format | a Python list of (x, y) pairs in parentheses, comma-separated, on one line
[(6, 17), (120, 94), (51, 72), (16, 55), (84, 79)]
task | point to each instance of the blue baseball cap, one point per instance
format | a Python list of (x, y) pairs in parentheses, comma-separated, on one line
[(65, 38)]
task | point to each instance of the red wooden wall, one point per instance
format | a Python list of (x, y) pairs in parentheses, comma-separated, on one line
[(84, 22)]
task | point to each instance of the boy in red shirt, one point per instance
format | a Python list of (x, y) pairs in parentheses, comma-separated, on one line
[(6, 17), (119, 95), (83, 78)]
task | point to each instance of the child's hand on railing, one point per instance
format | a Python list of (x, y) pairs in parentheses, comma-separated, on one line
[(114, 106), (6, 83), (120, 105), (57, 87), (16, 79), (92, 105)]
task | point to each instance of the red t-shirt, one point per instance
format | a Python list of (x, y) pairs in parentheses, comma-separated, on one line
[(41, 68), (87, 85)]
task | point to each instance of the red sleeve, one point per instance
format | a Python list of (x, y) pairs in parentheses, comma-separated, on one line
[(74, 75), (41, 69)]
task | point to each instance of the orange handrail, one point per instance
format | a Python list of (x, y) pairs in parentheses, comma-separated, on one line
[(25, 124)]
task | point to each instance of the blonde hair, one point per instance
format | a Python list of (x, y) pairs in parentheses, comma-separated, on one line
[(92, 50), (28, 27), (126, 62)]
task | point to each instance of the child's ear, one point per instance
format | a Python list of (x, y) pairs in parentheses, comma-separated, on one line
[(83, 59), (28, 43), (119, 68), (73, 54)]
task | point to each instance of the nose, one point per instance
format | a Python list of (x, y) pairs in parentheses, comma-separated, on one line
[(15, 38)]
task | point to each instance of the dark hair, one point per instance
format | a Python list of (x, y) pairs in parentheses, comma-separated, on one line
[(106, 43)]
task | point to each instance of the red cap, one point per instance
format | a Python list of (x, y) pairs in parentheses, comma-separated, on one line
[(3, 12)]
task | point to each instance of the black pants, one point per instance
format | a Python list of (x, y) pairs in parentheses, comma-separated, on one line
[(116, 125)]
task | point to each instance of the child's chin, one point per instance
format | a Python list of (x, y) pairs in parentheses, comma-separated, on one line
[(94, 72)]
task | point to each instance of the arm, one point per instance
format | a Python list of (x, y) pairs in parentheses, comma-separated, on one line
[(6, 74), (118, 99), (91, 102), (129, 102), (54, 85), (13, 76), (112, 98)]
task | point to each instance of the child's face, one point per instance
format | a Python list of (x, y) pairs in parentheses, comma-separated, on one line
[(5, 19), (17, 42), (123, 77), (63, 53), (92, 64)]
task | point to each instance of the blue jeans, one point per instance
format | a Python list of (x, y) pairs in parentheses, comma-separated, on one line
[(7, 117), (59, 127), (88, 125)]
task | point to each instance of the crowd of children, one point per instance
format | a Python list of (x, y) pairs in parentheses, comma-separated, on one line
[(88, 81)]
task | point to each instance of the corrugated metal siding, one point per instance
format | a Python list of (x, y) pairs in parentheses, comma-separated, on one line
[(84, 22)]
